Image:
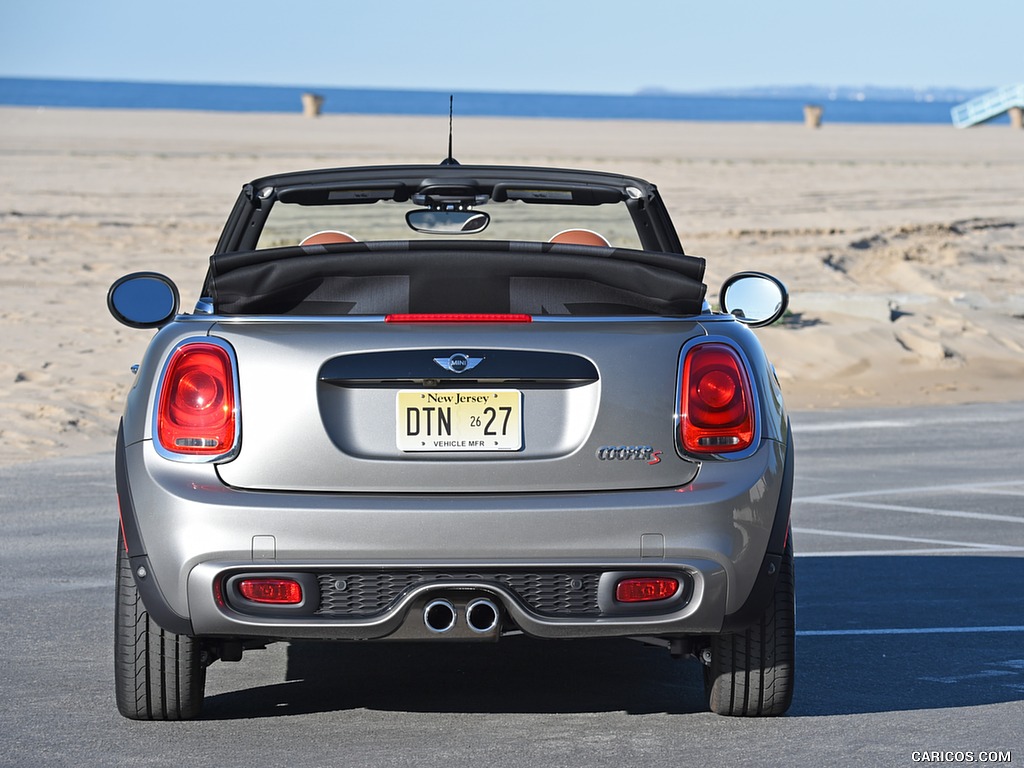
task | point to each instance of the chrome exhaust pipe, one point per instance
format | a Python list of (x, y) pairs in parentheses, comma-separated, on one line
[(439, 616), (482, 615)]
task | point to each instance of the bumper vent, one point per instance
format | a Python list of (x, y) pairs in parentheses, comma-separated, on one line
[(548, 593)]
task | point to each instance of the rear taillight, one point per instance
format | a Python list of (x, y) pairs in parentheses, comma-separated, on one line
[(716, 412), (196, 412)]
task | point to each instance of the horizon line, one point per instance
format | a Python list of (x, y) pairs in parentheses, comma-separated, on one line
[(649, 90)]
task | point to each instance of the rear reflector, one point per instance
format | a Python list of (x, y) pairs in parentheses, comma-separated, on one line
[(271, 591), (457, 318), (645, 589)]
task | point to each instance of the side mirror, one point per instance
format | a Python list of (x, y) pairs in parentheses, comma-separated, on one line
[(143, 300), (754, 298), (443, 222)]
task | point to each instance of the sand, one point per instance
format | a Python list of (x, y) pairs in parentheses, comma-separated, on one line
[(902, 246)]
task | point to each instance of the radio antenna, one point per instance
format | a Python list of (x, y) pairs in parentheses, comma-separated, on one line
[(450, 160)]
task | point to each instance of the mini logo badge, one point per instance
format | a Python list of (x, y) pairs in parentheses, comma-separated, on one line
[(458, 363)]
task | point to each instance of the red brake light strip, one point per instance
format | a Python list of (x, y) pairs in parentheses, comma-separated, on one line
[(466, 317)]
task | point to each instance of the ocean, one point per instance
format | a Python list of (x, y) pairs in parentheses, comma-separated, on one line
[(256, 98)]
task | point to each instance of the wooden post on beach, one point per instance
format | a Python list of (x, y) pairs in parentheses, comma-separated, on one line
[(812, 115), (1016, 117), (312, 104)]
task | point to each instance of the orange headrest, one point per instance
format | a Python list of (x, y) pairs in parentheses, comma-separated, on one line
[(579, 237), (328, 236)]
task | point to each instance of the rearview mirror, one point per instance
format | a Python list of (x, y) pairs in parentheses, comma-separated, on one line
[(434, 222), (754, 298), (143, 300)]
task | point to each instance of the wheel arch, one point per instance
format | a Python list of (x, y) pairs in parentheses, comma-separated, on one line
[(768, 574), (149, 590)]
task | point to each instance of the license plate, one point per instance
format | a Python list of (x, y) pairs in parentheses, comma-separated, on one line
[(459, 420)]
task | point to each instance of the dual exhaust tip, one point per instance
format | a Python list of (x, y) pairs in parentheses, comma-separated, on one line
[(482, 616)]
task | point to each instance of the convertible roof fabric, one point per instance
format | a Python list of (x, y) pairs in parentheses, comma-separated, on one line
[(455, 277)]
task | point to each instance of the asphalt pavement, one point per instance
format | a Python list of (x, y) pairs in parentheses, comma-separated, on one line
[(909, 531)]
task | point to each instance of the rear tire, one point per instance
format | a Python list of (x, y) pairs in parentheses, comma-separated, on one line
[(158, 675), (751, 672)]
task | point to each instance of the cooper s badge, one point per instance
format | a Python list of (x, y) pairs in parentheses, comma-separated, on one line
[(629, 453)]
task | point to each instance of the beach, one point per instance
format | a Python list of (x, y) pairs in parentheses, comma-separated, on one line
[(902, 246)]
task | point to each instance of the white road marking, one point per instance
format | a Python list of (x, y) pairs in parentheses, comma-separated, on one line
[(983, 675), (998, 672), (927, 511), (858, 499), (895, 552), (955, 488), (999, 491), (844, 426), (906, 631), (888, 537)]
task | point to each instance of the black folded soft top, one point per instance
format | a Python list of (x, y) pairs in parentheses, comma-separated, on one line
[(373, 278)]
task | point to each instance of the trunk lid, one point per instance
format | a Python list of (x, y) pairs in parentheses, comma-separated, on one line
[(373, 407)]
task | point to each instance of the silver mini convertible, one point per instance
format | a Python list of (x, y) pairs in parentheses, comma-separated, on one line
[(452, 403)]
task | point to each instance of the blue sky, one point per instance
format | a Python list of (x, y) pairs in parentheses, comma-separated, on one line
[(571, 46)]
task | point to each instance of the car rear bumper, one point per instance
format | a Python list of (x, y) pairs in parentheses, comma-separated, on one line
[(720, 535)]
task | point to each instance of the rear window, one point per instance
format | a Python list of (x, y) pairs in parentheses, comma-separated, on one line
[(290, 223)]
